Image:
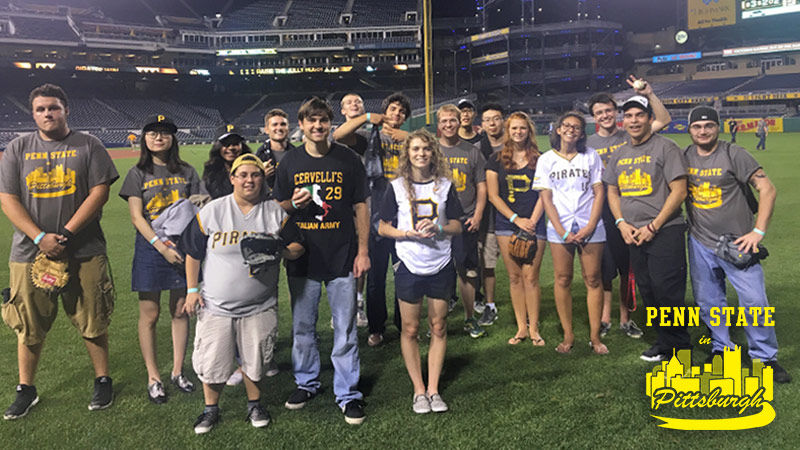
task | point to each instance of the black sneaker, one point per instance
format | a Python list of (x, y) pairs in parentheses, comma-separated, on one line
[(710, 357), (26, 399), (206, 421), (298, 399), (103, 394), (654, 354), (354, 412), (779, 374), (258, 417)]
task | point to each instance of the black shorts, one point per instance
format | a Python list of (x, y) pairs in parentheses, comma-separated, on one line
[(410, 288), (616, 255), (465, 250)]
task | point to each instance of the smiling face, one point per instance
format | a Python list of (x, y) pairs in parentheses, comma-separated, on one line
[(637, 122), (518, 131), (492, 123), (231, 148), (316, 128), (277, 128), (50, 116), (570, 131), (448, 124), (704, 133), (467, 116), (395, 115), (352, 106), (158, 140), (420, 153), (247, 182), (605, 114)]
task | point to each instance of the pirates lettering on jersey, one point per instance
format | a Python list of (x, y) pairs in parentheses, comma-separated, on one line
[(569, 173), (50, 184), (424, 209), (224, 238), (517, 183), (605, 153), (637, 184)]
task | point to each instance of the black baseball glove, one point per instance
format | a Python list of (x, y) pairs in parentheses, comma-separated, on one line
[(261, 250)]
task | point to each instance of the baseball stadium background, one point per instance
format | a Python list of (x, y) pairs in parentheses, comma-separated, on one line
[(205, 63)]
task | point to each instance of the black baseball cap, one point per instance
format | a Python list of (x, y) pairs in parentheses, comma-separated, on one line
[(159, 122), (638, 101), (465, 103), (703, 112), (228, 130)]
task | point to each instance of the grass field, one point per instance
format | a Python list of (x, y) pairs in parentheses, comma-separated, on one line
[(500, 396)]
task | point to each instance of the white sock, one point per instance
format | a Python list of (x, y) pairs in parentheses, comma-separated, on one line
[(491, 305)]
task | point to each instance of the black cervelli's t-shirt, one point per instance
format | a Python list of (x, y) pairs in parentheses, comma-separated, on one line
[(337, 181)]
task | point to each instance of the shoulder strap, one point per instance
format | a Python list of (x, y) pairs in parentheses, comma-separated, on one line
[(746, 189)]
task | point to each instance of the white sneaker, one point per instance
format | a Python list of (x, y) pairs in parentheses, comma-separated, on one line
[(361, 319), (437, 404), (272, 369), (235, 378), (421, 404)]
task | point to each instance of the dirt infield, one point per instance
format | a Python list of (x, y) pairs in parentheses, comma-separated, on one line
[(123, 153)]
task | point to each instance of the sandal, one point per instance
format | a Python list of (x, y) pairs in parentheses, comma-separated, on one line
[(600, 349), (564, 348), (516, 340), (538, 341)]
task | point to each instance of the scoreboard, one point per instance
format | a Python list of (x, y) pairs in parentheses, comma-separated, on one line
[(762, 8)]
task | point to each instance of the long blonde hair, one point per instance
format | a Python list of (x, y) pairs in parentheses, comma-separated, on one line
[(439, 166)]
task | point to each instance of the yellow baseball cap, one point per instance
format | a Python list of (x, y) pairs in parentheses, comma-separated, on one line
[(247, 159)]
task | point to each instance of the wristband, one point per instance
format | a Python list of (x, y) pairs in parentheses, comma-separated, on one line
[(38, 238), (651, 228), (367, 117), (441, 230), (616, 223), (294, 205), (755, 230), (564, 237), (192, 290), (513, 218), (153, 241)]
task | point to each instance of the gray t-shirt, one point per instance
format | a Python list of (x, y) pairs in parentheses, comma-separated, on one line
[(52, 179), (643, 173), (160, 189), (469, 169), (716, 204), (605, 146)]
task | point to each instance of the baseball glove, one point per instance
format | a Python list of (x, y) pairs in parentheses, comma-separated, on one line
[(49, 274), (523, 246), (261, 250)]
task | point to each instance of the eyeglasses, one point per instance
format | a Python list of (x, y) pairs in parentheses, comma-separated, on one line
[(565, 126), (493, 119), (155, 134), (253, 175)]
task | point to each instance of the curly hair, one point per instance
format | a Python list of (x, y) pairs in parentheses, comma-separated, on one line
[(439, 166), (555, 138), (509, 146), (215, 172)]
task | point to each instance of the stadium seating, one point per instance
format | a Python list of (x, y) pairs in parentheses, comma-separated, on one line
[(771, 83), (310, 14), (54, 29), (255, 16), (11, 117), (367, 12)]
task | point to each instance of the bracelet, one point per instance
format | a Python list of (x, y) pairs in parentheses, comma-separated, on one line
[(513, 218), (38, 238), (153, 241), (192, 290), (755, 230), (616, 223), (564, 237), (294, 205), (367, 117), (441, 230), (651, 228)]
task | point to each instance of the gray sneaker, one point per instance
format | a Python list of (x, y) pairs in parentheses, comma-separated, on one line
[(258, 417), (488, 317), (605, 327), (206, 421), (475, 330), (421, 404), (631, 329), (437, 404)]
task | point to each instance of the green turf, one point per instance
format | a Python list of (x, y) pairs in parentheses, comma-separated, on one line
[(500, 396)]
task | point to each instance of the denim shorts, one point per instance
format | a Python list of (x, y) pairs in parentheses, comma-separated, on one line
[(410, 288)]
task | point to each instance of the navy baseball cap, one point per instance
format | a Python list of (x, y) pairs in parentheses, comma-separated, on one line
[(228, 130), (159, 122)]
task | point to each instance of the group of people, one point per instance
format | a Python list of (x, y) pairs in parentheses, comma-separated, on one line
[(347, 202)]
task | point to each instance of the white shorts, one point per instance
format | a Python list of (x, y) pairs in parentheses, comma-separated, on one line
[(599, 234), (217, 337)]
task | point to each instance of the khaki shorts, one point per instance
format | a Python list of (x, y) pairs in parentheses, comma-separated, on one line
[(217, 337), (88, 301), (489, 250)]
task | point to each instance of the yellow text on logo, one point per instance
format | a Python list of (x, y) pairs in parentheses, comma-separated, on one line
[(55, 183)]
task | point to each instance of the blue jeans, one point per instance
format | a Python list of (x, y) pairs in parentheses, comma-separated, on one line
[(708, 273), (305, 293)]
